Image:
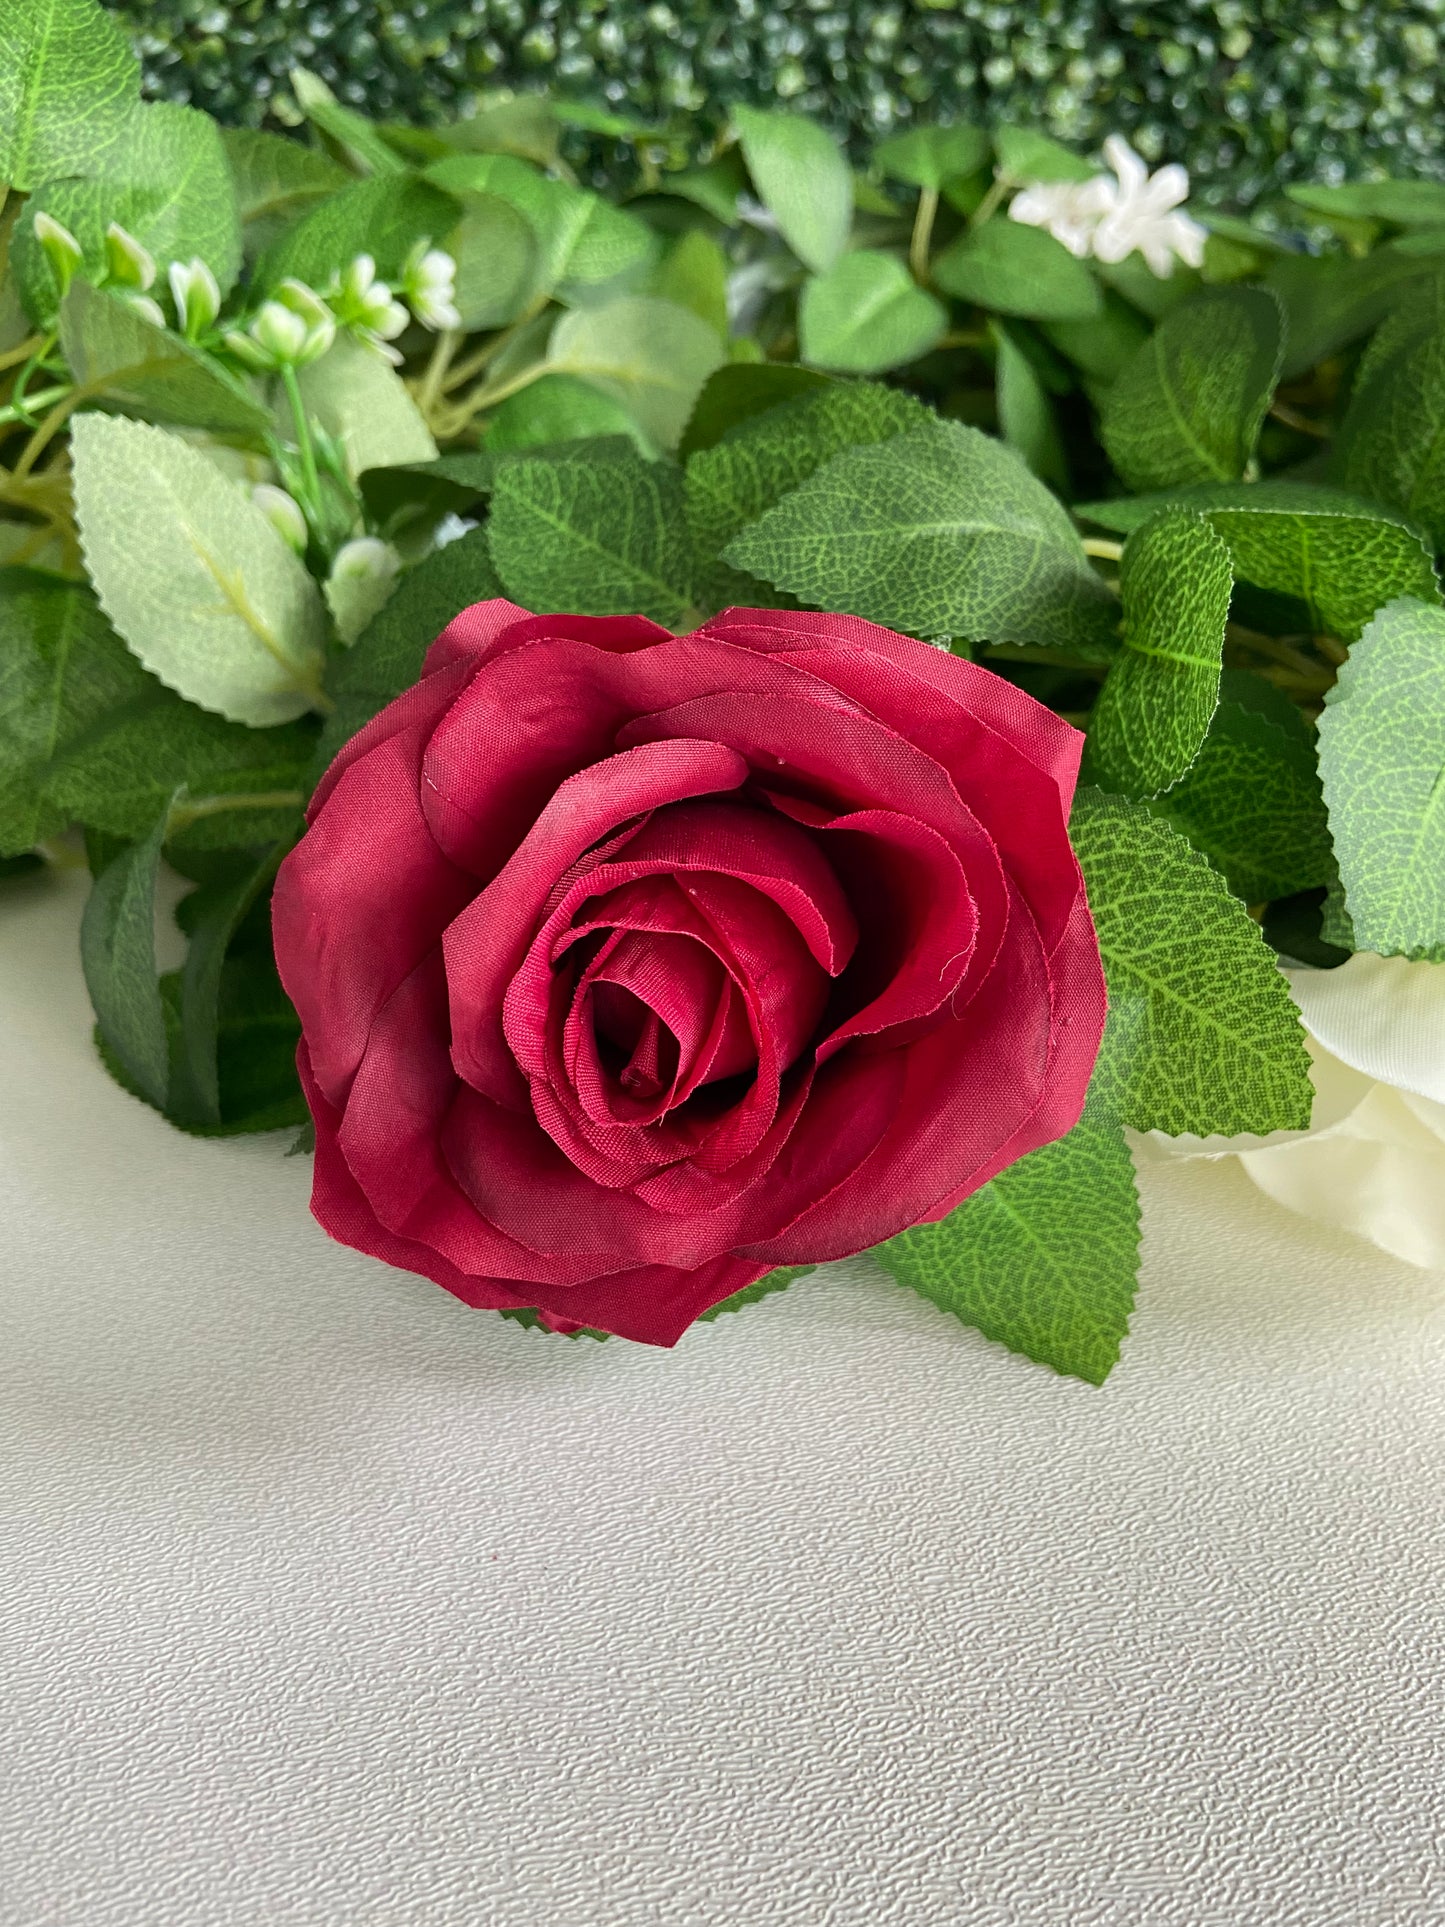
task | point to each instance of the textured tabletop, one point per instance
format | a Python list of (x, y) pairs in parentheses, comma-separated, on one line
[(324, 1600)]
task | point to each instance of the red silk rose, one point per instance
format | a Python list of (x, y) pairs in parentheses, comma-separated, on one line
[(631, 965)]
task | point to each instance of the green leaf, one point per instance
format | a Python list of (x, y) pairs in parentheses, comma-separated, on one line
[(777, 1280), (384, 217), (168, 184), (1331, 301), (497, 259), (938, 531), (1044, 1257), (738, 390), (1338, 556), (387, 657), (125, 360), (594, 538), (581, 239), (1025, 155), (1401, 203), (1102, 347), (765, 456), (867, 314), (802, 180), (69, 84), (1188, 408), (275, 176), (1382, 761), (1153, 711), (1251, 802), (118, 955), (693, 274), (1392, 440), (929, 156), (1012, 269), (353, 133), (361, 401), (1220, 1045), (1025, 413), (192, 574), (714, 188), (559, 408), (651, 355)]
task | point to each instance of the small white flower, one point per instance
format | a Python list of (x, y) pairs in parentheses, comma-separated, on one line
[(1111, 218), (367, 308), (451, 528), (362, 578), (429, 282), (129, 264), (197, 296), (283, 512), (62, 250), (292, 330), (1070, 210)]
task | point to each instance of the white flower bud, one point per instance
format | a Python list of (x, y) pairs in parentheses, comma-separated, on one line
[(197, 296), (429, 282), (365, 306), (61, 248), (362, 577), (283, 512), (144, 306), (129, 264), (248, 351), (280, 333)]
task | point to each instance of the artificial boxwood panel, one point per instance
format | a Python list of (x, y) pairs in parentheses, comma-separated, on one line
[(1249, 92)]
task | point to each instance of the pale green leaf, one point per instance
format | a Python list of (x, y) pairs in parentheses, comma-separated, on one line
[(1401, 203), (384, 217), (558, 408), (929, 156), (1013, 269), (275, 176), (1026, 155), (650, 354), (497, 261), (594, 538), (1220, 1045), (1382, 761), (526, 125), (938, 531), (125, 360), (802, 179), (192, 574), (1153, 711), (353, 133), (1188, 408), (581, 239), (694, 274), (118, 955), (867, 314), (362, 402), (69, 84)]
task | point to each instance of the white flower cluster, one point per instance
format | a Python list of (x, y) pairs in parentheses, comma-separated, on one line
[(1113, 215)]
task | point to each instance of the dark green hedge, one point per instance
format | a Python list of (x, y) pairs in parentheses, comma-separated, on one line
[(1250, 92)]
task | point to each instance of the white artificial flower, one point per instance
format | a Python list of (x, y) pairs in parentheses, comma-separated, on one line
[(367, 308), (451, 528), (128, 263), (429, 282), (284, 514), (362, 578), (197, 296), (1110, 218), (1373, 1158)]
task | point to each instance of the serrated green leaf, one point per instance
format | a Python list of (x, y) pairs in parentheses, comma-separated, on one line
[(938, 531), (1338, 556), (192, 574), (1401, 203), (866, 314), (275, 176), (353, 133), (557, 409), (1220, 1046), (384, 217), (1382, 762), (387, 657), (929, 156), (123, 359), (739, 390), (694, 274), (216, 912), (593, 538), (1392, 440), (118, 955), (1330, 302), (497, 259), (1251, 801), (69, 84), (1025, 413), (168, 184), (802, 179), (765, 456), (650, 354), (778, 1280), (581, 239), (362, 403), (1153, 711), (1009, 268), (1188, 408), (1045, 1256)]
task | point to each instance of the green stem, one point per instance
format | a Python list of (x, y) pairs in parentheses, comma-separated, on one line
[(1003, 185), (459, 375), (305, 446), (1104, 550), (484, 397), (46, 398), (194, 810), (923, 220)]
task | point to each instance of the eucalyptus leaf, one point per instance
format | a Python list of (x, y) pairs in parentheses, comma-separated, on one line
[(802, 180), (866, 314), (121, 358), (1154, 709), (649, 354), (1013, 269), (69, 87), (1382, 762), (193, 576), (1188, 408), (118, 956), (938, 531)]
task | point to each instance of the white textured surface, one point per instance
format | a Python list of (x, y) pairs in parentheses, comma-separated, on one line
[(323, 1600)]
